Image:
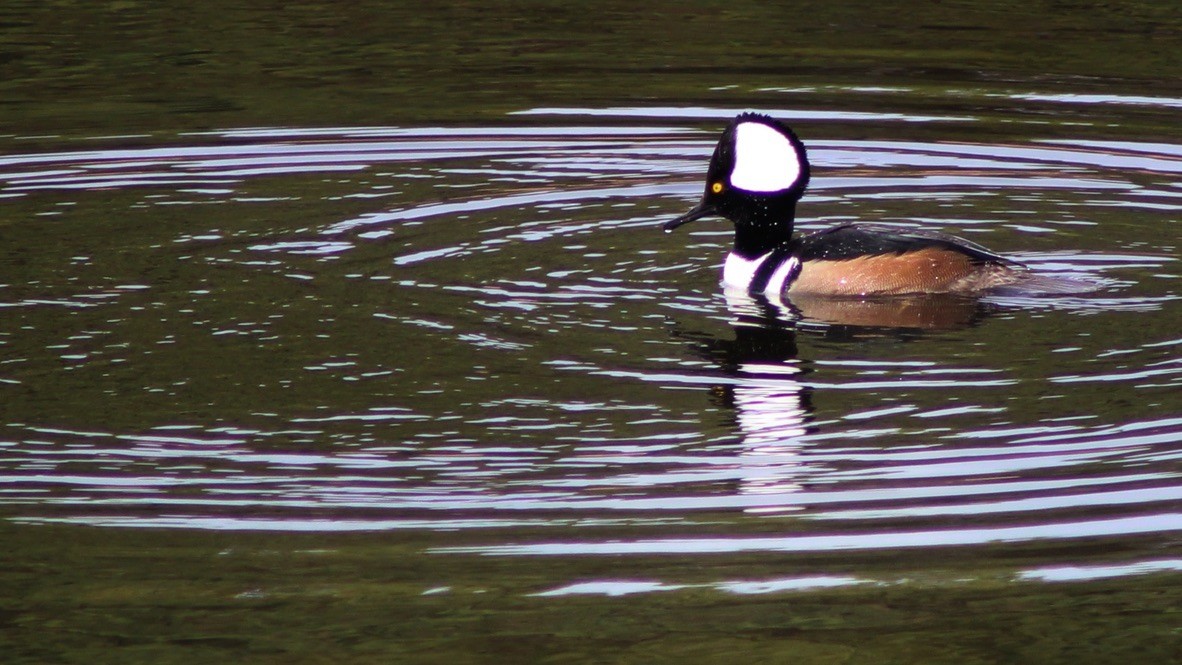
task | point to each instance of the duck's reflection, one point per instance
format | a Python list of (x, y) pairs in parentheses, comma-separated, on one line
[(771, 398), (854, 316)]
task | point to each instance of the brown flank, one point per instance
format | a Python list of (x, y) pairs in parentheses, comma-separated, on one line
[(928, 270)]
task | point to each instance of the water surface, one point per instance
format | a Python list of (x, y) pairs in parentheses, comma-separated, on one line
[(441, 389)]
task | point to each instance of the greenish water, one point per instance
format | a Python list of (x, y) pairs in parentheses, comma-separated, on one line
[(346, 333), (120, 596), (125, 67)]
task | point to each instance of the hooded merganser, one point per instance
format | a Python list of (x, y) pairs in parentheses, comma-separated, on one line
[(757, 174)]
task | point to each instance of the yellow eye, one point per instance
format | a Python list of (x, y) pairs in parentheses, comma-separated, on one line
[(716, 188)]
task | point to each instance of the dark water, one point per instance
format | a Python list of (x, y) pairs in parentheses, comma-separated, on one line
[(350, 334)]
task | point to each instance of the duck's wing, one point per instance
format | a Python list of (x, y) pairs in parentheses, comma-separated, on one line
[(852, 241)]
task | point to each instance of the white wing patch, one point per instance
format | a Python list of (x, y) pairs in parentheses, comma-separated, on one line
[(764, 159)]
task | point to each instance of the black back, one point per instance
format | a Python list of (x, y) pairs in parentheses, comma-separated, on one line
[(850, 241)]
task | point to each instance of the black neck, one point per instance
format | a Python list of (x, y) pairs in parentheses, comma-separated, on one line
[(758, 237)]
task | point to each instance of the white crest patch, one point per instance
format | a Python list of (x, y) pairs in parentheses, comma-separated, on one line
[(764, 159)]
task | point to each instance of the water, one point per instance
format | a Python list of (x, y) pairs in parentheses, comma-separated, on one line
[(441, 389)]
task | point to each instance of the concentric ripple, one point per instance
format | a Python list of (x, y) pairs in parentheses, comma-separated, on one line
[(482, 328)]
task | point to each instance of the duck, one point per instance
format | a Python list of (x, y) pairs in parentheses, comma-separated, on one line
[(760, 170)]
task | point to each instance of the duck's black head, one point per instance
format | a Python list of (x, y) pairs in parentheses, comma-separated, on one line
[(757, 174)]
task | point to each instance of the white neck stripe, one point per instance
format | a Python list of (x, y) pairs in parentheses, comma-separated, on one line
[(738, 272), (779, 279)]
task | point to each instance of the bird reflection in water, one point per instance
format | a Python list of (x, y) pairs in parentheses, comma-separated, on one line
[(769, 393)]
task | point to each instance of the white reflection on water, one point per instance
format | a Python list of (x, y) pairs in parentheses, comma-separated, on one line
[(745, 587), (1077, 98), (789, 584), (1141, 524), (1099, 572), (701, 112)]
